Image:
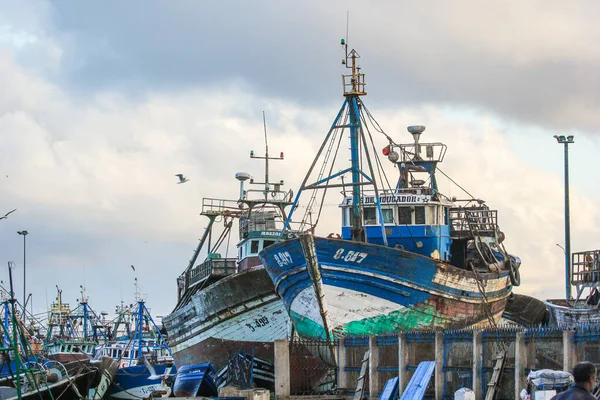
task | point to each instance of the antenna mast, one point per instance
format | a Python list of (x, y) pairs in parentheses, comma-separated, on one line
[(266, 157)]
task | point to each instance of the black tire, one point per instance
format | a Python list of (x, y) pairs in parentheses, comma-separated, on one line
[(515, 275)]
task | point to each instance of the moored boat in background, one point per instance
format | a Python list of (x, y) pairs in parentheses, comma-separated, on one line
[(585, 307), (72, 334), (145, 360)]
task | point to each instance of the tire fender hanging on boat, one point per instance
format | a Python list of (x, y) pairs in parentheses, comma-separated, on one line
[(515, 275)]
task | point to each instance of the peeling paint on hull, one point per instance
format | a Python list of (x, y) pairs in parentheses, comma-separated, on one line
[(241, 311), (382, 290), (562, 313)]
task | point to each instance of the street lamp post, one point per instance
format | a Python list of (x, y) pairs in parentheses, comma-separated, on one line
[(566, 141), (24, 234)]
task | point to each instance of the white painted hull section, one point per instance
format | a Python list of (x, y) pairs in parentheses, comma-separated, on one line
[(346, 305), (251, 322), (343, 305), (141, 392)]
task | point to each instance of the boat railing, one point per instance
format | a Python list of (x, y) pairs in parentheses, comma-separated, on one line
[(467, 221), (430, 152), (260, 221), (354, 84), (211, 206), (217, 267), (585, 268)]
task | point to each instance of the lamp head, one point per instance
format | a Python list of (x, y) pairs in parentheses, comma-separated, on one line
[(24, 233), (570, 139)]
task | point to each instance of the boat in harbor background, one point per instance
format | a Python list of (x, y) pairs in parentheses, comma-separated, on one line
[(72, 334), (585, 307), (408, 257), (228, 303), (145, 362)]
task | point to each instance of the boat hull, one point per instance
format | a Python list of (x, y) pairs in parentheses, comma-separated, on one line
[(565, 315), (195, 380), (240, 312), (369, 289), (135, 382)]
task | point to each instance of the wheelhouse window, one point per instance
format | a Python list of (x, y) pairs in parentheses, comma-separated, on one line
[(404, 216), (370, 215), (345, 215), (388, 215), (268, 243), (254, 246), (420, 215)]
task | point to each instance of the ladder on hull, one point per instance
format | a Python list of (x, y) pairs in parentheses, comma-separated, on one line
[(360, 382), (494, 382)]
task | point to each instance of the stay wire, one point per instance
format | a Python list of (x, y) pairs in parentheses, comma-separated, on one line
[(378, 129), (327, 183), (453, 181)]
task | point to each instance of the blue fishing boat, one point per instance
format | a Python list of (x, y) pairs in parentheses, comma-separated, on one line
[(30, 376), (145, 360), (408, 256), (195, 380), (72, 334)]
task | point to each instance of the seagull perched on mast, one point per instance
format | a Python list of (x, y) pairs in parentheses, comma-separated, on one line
[(182, 179), (8, 213)]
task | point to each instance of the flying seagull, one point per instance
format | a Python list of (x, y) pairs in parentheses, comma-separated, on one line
[(8, 213), (182, 179)]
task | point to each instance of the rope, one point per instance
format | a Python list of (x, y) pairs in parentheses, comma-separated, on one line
[(327, 183)]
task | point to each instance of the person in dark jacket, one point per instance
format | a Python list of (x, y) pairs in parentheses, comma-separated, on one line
[(585, 380)]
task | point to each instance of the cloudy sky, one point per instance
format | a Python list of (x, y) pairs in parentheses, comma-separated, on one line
[(101, 103)]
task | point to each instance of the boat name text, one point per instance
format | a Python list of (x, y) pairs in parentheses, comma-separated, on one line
[(283, 258), (258, 323), (389, 199), (351, 256)]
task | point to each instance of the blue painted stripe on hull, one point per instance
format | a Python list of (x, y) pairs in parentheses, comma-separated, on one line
[(392, 263)]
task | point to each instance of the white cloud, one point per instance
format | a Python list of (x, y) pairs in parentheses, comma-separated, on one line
[(92, 176)]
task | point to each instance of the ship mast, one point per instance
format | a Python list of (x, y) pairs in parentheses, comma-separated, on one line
[(355, 82), (349, 117)]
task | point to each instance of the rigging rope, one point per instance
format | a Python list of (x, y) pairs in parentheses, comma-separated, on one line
[(452, 180)]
